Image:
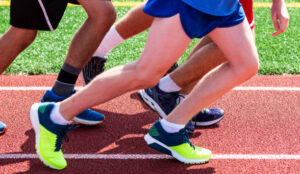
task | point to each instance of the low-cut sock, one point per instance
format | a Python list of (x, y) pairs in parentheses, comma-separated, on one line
[(110, 41), (66, 80), (171, 127), (56, 116), (166, 84)]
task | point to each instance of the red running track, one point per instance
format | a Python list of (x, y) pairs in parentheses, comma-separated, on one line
[(264, 122)]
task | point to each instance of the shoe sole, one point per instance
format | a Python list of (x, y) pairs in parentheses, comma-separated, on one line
[(207, 123), (34, 117), (151, 103), (155, 144), (87, 123)]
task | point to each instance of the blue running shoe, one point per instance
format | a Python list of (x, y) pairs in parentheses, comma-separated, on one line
[(208, 117), (48, 136), (87, 117), (177, 145), (3, 128)]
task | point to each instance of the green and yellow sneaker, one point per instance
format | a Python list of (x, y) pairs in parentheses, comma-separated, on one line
[(48, 136), (177, 145)]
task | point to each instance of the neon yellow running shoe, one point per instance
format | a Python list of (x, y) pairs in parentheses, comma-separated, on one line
[(48, 136), (177, 145)]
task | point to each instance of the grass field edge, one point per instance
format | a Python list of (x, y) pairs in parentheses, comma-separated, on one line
[(134, 3)]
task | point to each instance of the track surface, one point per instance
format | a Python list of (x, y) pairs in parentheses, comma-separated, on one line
[(261, 122)]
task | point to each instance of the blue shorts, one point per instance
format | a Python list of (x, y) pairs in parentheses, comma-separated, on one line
[(195, 23)]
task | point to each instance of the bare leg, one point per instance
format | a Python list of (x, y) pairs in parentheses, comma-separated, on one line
[(166, 33), (12, 43), (134, 22), (241, 66), (204, 57), (101, 15)]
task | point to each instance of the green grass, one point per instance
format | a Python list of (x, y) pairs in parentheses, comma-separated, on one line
[(278, 55)]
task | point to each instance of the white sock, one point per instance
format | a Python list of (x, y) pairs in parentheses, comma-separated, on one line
[(166, 84), (56, 116), (110, 41), (171, 127)]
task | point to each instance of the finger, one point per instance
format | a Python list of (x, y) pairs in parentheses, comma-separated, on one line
[(284, 23), (275, 22), (277, 33)]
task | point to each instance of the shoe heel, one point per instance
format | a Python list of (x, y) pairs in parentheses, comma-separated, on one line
[(156, 146)]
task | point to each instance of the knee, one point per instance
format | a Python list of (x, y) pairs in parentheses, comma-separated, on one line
[(29, 37), (253, 65), (250, 68), (23, 36), (104, 17)]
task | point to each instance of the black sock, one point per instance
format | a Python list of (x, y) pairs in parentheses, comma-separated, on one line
[(66, 80)]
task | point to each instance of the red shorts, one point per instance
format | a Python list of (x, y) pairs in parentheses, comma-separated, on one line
[(248, 8)]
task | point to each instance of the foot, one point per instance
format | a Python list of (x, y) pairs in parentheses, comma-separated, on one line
[(87, 117), (162, 102), (94, 67), (48, 136), (208, 117), (177, 145), (3, 128)]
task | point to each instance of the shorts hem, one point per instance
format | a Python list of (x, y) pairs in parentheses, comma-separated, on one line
[(32, 28), (234, 23)]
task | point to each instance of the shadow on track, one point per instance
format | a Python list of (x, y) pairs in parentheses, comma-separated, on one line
[(119, 134)]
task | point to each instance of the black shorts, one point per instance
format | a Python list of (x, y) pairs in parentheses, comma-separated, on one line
[(37, 14)]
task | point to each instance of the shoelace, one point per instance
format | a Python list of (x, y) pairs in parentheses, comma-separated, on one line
[(205, 110), (185, 134), (63, 135), (179, 98), (169, 100)]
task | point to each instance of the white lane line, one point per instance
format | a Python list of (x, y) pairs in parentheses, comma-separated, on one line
[(265, 88), (241, 88), (24, 88), (157, 156)]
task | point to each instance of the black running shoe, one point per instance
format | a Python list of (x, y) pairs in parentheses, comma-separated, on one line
[(94, 67), (208, 117), (162, 102)]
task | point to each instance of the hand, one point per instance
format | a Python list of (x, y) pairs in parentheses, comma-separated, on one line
[(280, 17)]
